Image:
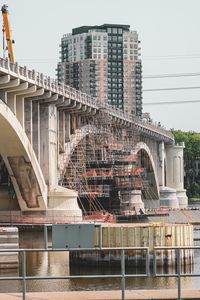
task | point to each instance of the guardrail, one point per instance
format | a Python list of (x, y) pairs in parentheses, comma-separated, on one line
[(65, 90), (178, 274)]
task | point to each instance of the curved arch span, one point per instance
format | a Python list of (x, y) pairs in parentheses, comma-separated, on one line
[(141, 146), (21, 162)]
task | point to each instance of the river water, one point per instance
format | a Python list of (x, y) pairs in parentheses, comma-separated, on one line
[(57, 263)]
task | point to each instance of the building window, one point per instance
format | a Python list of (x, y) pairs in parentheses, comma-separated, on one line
[(115, 30)]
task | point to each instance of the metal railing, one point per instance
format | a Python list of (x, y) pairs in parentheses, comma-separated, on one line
[(178, 274), (24, 277), (67, 91)]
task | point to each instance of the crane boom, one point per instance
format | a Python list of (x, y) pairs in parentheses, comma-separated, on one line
[(7, 28)]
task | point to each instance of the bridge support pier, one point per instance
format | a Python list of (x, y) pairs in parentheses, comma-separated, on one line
[(168, 197), (131, 201), (64, 202), (175, 172)]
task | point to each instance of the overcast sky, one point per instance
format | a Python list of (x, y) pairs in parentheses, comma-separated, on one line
[(170, 44)]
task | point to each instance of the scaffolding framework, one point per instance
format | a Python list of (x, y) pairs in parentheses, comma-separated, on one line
[(104, 164)]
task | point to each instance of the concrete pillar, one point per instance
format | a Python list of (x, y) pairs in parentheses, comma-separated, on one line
[(11, 101), (28, 119), (175, 172), (48, 143), (36, 128), (20, 109), (67, 127), (131, 201), (61, 121), (161, 164)]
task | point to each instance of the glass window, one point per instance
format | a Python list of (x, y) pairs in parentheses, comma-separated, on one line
[(99, 37), (115, 30), (94, 37), (119, 30), (105, 38), (109, 30)]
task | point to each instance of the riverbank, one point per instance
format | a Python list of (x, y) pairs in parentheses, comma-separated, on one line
[(107, 295)]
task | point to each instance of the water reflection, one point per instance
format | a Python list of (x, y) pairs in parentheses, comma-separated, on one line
[(57, 263)]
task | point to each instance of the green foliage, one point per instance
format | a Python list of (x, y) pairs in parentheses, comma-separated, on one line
[(191, 154)]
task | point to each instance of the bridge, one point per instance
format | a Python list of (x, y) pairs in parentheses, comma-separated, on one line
[(63, 152)]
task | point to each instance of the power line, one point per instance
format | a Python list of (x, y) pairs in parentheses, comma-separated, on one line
[(172, 89), (171, 102), (173, 57), (171, 75)]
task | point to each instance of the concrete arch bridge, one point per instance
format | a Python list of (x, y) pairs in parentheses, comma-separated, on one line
[(56, 143)]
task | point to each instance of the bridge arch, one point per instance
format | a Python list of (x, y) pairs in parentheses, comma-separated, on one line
[(21, 162), (147, 161)]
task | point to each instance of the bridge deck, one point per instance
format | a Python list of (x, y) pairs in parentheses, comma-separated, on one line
[(109, 295)]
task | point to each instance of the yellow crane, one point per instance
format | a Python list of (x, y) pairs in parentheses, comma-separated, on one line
[(7, 31)]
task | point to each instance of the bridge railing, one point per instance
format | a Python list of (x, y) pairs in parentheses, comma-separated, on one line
[(67, 91), (123, 275)]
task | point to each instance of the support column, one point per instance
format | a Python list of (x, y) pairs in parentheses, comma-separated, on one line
[(36, 128), (20, 109), (175, 172), (61, 121), (48, 143), (67, 127), (28, 119), (163, 164), (131, 201)]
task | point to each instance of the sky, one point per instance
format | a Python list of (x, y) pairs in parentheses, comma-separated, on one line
[(170, 44)]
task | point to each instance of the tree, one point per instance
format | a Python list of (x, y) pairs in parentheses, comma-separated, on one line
[(191, 155)]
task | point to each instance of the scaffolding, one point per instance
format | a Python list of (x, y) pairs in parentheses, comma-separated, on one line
[(104, 164)]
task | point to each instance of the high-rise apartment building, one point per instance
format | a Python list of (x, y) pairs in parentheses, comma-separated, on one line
[(103, 61)]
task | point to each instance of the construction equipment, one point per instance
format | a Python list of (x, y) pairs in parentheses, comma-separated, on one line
[(7, 31)]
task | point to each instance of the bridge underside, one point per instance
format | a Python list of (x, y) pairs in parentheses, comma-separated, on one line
[(22, 186), (52, 134)]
